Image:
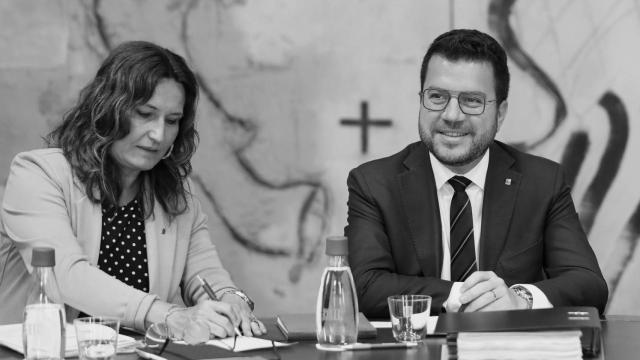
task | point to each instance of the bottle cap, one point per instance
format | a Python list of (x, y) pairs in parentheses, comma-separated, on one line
[(43, 256), (337, 245)]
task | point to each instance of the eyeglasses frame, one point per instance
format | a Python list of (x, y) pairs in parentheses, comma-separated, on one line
[(451, 95)]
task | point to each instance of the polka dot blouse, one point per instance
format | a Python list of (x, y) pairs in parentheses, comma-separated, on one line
[(123, 247)]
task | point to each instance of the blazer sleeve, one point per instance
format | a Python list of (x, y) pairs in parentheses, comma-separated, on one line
[(202, 259), (573, 276), (35, 213), (371, 252)]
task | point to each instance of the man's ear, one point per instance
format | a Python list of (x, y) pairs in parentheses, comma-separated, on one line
[(502, 112)]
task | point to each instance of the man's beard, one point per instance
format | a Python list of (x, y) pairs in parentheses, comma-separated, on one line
[(478, 147)]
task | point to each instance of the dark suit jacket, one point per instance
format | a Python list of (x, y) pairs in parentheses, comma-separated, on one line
[(531, 233)]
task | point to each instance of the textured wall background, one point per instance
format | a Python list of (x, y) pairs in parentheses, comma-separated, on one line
[(278, 76)]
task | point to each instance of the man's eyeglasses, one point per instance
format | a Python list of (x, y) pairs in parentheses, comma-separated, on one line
[(470, 103)]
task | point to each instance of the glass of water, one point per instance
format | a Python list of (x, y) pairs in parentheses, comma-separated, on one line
[(409, 315), (97, 337), (157, 337)]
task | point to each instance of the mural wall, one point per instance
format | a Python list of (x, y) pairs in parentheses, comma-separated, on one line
[(296, 93)]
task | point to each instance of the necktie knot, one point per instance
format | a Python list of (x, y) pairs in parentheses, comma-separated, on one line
[(459, 183)]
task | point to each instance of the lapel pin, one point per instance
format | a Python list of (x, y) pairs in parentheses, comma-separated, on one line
[(507, 181)]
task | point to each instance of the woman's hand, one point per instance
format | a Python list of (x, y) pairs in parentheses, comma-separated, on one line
[(207, 319), (249, 324)]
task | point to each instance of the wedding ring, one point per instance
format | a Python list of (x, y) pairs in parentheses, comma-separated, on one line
[(494, 294)]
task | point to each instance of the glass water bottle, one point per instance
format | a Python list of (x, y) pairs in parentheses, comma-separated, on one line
[(337, 307)]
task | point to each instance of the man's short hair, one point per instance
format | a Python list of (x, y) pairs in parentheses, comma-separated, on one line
[(471, 45)]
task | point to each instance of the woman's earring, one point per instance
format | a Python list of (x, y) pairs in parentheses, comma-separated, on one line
[(168, 153)]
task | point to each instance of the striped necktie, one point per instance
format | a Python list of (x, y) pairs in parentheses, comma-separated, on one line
[(461, 243)]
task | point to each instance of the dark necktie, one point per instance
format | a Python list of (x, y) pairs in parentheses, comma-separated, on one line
[(462, 246)]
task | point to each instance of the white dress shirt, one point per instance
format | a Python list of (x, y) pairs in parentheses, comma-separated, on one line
[(475, 191)]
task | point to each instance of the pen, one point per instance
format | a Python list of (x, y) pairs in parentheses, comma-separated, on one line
[(207, 288), (369, 346)]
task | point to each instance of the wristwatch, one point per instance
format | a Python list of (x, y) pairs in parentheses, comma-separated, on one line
[(524, 293), (241, 294)]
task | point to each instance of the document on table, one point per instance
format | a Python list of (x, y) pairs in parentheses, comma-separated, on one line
[(431, 324), (243, 343), (11, 337), (512, 345)]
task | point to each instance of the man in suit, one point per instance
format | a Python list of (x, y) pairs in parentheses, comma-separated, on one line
[(474, 223)]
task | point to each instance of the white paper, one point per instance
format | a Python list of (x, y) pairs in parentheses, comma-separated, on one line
[(11, 337), (431, 324), (243, 343), (560, 345), (381, 324)]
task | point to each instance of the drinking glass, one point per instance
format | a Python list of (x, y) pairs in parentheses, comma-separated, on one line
[(157, 337), (409, 315), (97, 337)]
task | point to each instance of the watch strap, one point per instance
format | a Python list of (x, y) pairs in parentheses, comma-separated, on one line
[(524, 293), (241, 294)]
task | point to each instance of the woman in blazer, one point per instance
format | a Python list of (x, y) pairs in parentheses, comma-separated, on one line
[(111, 195)]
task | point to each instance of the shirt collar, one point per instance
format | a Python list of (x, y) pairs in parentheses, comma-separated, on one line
[(477, 175)]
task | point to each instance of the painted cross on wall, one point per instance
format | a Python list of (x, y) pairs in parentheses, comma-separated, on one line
[(365, 122)]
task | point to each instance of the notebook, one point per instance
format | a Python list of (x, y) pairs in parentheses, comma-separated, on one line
[(516, 345), (303, 327), (240, 343), (11, 337), (581, 318)]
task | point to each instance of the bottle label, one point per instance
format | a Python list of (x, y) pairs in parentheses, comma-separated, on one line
[(43, 331)]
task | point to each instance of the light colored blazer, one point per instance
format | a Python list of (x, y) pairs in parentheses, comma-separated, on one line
[(45, 205)]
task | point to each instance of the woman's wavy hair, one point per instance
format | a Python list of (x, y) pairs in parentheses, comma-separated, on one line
[(127, 79)]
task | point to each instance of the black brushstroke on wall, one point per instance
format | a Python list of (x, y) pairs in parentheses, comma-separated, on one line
[(235, 233), (100, 25), (628, 241), (499, 12), (574, 154), (610, 161)]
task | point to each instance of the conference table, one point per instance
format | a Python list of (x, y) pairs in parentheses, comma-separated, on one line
[(620, 334)]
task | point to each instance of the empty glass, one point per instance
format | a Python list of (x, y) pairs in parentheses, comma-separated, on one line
[(157, 336), (409, 315), (97, 337)]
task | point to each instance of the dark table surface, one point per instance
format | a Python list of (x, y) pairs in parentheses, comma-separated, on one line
[(621, 340)]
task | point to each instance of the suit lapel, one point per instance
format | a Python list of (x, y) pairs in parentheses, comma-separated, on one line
[(161, 252), (420, 201), (88, 222), (501, 189)]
